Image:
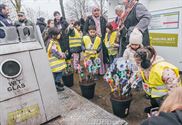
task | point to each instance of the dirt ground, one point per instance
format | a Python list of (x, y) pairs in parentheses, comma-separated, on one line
[(102, 98)]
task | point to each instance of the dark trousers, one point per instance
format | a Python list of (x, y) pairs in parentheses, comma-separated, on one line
[(111, 58), (156, 102), (57, 76)]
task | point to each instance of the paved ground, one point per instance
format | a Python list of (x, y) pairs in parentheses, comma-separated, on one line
[(102, 99), (76, 110)]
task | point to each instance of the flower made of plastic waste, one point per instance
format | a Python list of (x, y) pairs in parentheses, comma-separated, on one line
[(121, 64), (107, 76), (89, 62)]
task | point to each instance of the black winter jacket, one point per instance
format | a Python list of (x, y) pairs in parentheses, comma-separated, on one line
[(41, 24), (90, 21), (172, 118), (64, 40)]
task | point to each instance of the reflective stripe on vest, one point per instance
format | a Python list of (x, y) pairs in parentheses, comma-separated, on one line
[(109, 42), (155, 82), (75, 41), (57, 65), (156, 93), (112, 51)]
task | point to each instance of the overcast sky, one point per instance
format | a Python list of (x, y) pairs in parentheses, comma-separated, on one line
[(48, 6)]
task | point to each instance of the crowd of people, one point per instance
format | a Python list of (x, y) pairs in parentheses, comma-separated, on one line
[(95, 38)]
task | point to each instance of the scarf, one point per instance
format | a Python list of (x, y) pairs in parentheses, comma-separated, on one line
[(97, 24)]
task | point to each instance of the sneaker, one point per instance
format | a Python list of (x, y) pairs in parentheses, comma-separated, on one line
[(147, 109), (59, 88)]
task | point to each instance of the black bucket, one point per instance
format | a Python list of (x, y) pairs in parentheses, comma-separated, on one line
[(88, 90), (121, 107), (68, 80)]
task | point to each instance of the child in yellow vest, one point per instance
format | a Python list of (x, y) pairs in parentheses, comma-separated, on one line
[(56, 57), (75, 41), (91, 47), (111, 42)]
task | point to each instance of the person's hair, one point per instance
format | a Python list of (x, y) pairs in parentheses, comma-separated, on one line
[(173, 101), (119, 8), (76, 23), (42, 19), (49, 21), (52, 32), (147, 56), (109, 26), (2, 6), (92, 27), (145, 52), (56, 12)]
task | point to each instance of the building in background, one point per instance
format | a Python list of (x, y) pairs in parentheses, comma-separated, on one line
[(165, 28)]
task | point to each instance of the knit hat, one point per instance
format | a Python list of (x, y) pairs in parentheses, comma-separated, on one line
[(21, 14), (136, 37)]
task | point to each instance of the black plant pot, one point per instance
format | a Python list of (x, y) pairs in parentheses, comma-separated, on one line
[(68, 80), (121, 107), (88, 89)]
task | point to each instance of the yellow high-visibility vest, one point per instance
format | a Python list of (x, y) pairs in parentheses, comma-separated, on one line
[(91, 47), (76, 40), (109, 43), (57, 65), (156, 86)]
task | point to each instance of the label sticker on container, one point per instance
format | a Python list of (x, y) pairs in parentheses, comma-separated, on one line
[(24, 114)]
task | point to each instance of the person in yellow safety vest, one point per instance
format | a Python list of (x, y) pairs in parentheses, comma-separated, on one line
[(91, 46), (56, 57), (111, 41), (159, 76), (75, 42)]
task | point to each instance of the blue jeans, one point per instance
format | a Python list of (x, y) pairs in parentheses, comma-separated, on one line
[(57, 76)]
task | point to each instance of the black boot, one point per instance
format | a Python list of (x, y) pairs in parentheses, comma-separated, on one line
[(59, 86)]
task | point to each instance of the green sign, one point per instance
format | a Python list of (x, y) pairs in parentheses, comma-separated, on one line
[(164, 39)]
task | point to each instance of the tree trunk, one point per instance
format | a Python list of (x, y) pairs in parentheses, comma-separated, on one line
[(17, 5), (62, 8), (101, 7)]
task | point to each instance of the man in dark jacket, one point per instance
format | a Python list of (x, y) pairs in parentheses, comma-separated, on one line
[(82, 23), (138, 19), (41, 23), (100, 23), (4, 20), (92, 20), (4, 13), (62, 24), (22, 20)]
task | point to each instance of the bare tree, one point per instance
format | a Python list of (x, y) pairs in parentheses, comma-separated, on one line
[(31, 14), (77, 9), (17, 5), (80, 8)]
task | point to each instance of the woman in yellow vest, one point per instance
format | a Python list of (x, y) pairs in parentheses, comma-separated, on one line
[(159, 76), (111, 42), (56, 57), (75, 42), (91, 46)]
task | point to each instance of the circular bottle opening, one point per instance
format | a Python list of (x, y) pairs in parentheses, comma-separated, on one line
[(10, 68)]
